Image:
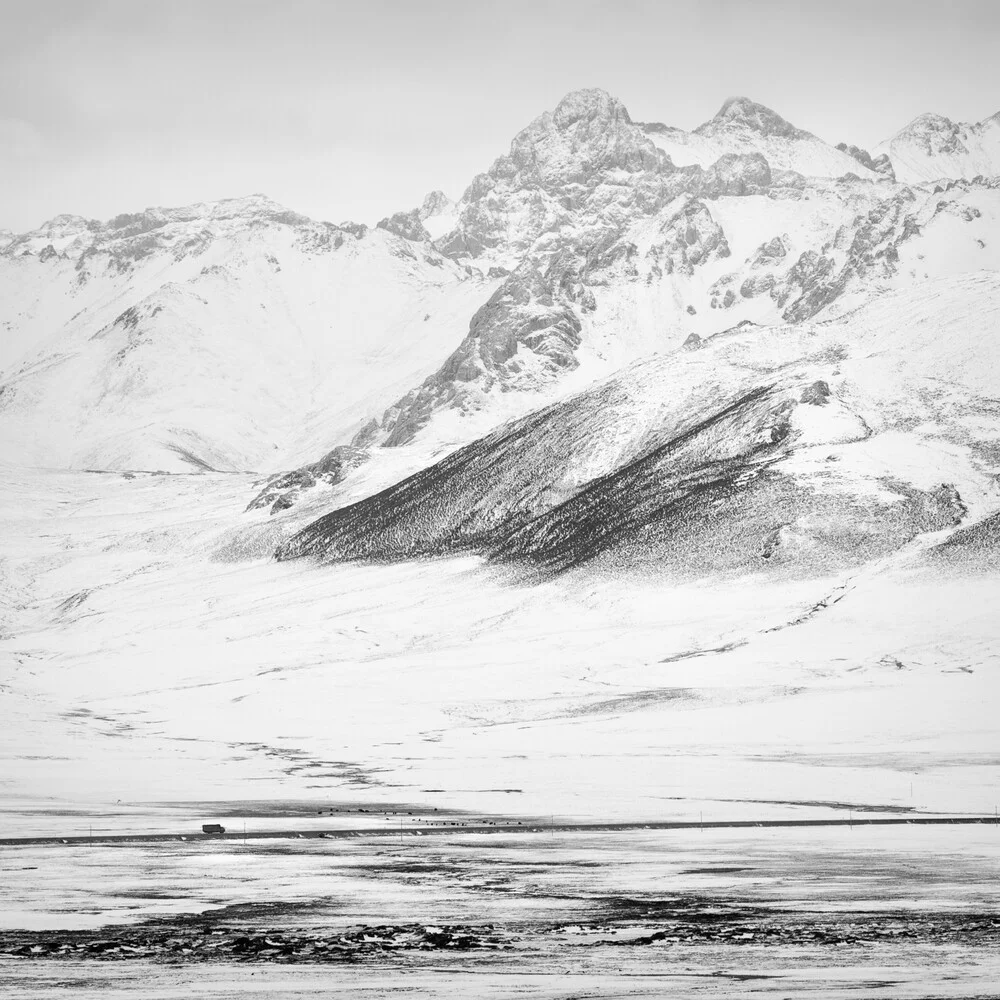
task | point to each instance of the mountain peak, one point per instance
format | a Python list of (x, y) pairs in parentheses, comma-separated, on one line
[(249, 206), (741, 112), (435, 203), (588, 105), (928, 122)]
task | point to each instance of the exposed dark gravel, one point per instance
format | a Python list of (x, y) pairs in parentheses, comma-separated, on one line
[(617, 922)]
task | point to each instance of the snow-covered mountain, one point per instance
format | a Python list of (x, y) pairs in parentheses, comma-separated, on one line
[(434, 218), (609, 251), (743, 126), (804, 447), (236, 335), (933, 148), (243, 336), (711, 418), (690, 352)]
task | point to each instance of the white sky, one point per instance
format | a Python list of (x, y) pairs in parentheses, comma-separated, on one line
[(353, 110)]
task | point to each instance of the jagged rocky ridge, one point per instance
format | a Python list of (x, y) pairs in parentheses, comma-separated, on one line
[(571, 209), (933, 147), (229, 336), (880, 164), (595, 241)]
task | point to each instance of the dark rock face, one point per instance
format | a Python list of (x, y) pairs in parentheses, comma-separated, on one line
[(936, 134), (768, 254), (812, 283), (761, 520), (818, 394), (356, 229), (706, 497)]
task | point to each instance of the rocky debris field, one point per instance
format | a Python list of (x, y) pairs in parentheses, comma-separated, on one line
[(206, 943), (624, 923)]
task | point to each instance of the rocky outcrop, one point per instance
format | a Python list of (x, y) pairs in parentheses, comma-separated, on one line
[(880, 164), (769, 254), (405, 224), (758, 284), (734, 175), (410, 225), (817, 394), (867, 246), (122, 243), (687, 239), (528, 330), (584, 159), (282, 491)]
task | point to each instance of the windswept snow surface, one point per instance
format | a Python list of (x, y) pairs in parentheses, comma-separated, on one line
[(152, 647)]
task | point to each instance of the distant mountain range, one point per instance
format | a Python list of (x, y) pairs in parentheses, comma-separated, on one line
[(620, 332)]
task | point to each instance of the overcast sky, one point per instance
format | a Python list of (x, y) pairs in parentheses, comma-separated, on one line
[(353, 110)]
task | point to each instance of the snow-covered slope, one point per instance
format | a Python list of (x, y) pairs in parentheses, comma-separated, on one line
[(608, 251), (932, 148), (806, 446), (237, 335)]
